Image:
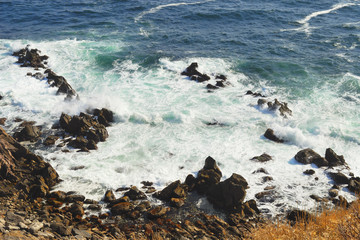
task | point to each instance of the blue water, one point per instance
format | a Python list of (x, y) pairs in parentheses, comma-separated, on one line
[(128, 55)]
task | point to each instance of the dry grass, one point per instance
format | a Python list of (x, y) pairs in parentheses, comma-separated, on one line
[(339, 223)]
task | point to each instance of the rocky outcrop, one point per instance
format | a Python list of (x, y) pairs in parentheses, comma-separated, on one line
[(269, 134), (262, 158), (282, 107), (192, 72), (308, 156), (30, 58), (28, 133), (209, 175), (334, 159)]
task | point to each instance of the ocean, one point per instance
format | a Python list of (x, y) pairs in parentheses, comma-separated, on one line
[(128, 55)]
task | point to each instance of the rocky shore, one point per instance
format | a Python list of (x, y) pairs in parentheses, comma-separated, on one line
[(31, 209)]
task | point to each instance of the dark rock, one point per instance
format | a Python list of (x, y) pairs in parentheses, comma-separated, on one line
[(220, 84), (135, 194), (339, 178), (76, 210), (308, 156), (210, 86), (39, 190), (174, 190), (261, 170), (261, 102), (64, 120), (354, 184), (333, 158), (91, 145), (109, 196), (79, 142), (190, 181), (94, 207), (316, 198), (191, 70), (77, 168), (121, 208), (333, 193), (58, 195), (309, 172), (208, 176), (222, 77), (74, 198), (147, 183), (299, 216), (177, 202), (267, 179), (90, 201), (262, 158), (341, 202), (61, 228), (30, 58), (2, 121), (228, 194), (256, 94), (269, 134), (28, 133), (39, 76), (157, 212), (281, 106), (50, 140)]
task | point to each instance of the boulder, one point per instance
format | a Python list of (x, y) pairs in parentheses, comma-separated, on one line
[(50, 140), (109, 196), (308, 156), (281, 106), (262, 158), (269, 134), (309, 172), (208, 176), (61, 228), (255, 94), (76, 210), (354, 184), (157, 212), (80, 142), (28, 133), (173, 190), (228, 194), (64, 120), (122, 207), (135, 194), (2, 121), (339, 178), (333, 158), (192, 72)]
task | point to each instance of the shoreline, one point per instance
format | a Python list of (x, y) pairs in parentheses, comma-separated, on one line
[(132, 213)]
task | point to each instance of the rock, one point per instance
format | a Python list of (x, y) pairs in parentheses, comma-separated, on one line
[(94, 207), (260, 170), (190, 181), (64, 121), (157, 212), (317, 198), (28, 133), (121, 208), (299, 216), (220, 84), (135, 194), (339, 178), (333, 193), (91, 145), (39, 190), (13, 218), (82, 234), (309, 172), (220, 76), (30, 58), (210, 86), (50, 140), (194, 74), (308, 156), (38, 75), (256, 94), (174, 190), (61, 229), (269, 134), (262, 158), (147, 183), (79, 142), (74, 198), (208, 176), (228, 194), (2, 121), (281, 106), (354, 184), (177, 202), (35, 227), (109, 196), (267, 179), (76, 210), (333, 158)]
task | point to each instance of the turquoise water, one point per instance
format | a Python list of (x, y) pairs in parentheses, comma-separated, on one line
[(128, 56)]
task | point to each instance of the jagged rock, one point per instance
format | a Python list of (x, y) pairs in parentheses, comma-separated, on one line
[(276, 105), (30, 58), (109, 196), (173, 190), (228, 194), (190, 181), (76, 210), (308, 156), (79, 142), (194, 74), (299, 216), (262, 158), (157, 212), (28, 133), (50, 140), (121, 208), (59, 81), (339, 178), (105, 116), (210, 86), (256, 94), (333, 158), (177, 202), (91, 145), (135, 194), (221, 76), (61, 228), (208, 176), (269, 134), (354, 184), (64, 121), (250, 208), (309, 172), (74, 198)]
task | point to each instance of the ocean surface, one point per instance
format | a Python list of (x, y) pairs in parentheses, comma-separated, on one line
[(127, 55)]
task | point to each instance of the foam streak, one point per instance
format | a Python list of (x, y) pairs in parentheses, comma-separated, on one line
[(156, 9)]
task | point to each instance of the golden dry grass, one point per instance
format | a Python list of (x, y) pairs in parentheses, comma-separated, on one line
[(336, 224)]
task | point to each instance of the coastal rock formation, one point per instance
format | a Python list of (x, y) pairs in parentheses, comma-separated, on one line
[(28, 133), (282, 107), (308, 156), (32, 58), (192, 72), (269, 134), (334, 159), (262, 158)]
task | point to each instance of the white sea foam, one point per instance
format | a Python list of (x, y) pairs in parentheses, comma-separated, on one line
[(158, 8)]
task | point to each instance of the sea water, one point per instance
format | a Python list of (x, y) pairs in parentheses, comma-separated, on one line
[(128, 55)]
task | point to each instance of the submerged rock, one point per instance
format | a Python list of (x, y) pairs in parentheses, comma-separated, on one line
[(282, 107), (262, 158), (269, 134)]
